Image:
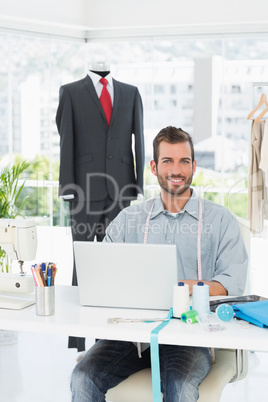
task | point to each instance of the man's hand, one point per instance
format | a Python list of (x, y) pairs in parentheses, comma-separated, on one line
[(215, 288)]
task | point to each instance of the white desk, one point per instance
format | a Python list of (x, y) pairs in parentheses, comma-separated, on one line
[(72, 319)]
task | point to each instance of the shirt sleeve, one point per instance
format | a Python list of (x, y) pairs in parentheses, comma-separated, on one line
[(115, 232), (232, 259)]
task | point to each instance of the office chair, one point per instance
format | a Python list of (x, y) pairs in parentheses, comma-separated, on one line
[(230, 365)]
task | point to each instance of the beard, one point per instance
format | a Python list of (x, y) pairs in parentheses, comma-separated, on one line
[(164, 184)]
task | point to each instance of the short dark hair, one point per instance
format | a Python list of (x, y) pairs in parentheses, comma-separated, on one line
[(172, 135)]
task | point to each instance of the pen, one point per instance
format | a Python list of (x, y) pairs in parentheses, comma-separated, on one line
[(34, 276), (52, 274), (49, 276), (44, 273), (43, 265), (39, 278), (39, 269)]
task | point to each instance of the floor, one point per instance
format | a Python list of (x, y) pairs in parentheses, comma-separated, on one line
[(38, 368)]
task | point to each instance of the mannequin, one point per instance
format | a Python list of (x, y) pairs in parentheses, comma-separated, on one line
[(100, 67), (98, 176), (103, 69)]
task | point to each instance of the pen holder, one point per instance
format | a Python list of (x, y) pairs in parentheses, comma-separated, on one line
[(45, 300)]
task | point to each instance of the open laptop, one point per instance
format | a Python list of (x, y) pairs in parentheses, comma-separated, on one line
[(126, 275)]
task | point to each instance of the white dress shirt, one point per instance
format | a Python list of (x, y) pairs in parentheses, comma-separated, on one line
[(98, 86)]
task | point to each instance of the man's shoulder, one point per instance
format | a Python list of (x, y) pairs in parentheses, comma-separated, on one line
[(143, 207), (211, 206)]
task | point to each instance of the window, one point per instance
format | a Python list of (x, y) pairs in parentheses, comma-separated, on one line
[(204, 85)]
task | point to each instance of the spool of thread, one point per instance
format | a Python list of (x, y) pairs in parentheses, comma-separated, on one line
[(189, 317), (181, 299), (224, 312), (201, 298)]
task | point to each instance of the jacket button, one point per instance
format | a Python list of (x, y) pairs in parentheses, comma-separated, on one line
[(109, 156)]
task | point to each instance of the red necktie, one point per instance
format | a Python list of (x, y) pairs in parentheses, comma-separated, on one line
[(105, 99)]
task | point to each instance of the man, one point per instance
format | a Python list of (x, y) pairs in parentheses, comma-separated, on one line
[(173, 217)]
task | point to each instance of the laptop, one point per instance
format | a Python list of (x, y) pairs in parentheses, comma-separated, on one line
[(124, 275)]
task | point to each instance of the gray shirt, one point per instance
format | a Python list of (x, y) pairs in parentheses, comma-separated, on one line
[(223, 254)]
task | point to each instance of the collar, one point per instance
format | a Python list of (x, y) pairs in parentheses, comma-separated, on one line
[(96, 78), (191, 207)]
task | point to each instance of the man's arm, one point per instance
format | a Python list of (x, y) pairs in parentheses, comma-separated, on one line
[(115, 232), (215, 288), (230, 259)]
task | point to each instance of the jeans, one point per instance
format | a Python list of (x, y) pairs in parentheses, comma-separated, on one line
[(108, 363)]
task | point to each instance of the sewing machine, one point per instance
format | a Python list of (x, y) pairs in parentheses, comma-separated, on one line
[(19, 239)]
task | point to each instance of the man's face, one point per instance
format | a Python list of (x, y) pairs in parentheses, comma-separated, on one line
[(175, 168)]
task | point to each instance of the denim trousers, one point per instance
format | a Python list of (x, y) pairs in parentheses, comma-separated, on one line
[(107, 363)]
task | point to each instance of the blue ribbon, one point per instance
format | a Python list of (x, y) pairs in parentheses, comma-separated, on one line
[(154, 353)]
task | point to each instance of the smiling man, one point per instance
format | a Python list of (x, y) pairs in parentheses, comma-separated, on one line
[(174, 165), (176, 216)]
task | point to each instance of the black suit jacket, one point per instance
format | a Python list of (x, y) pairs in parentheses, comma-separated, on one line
[(96, 160)]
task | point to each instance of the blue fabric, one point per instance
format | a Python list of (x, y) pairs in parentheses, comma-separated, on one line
[(253, 312)]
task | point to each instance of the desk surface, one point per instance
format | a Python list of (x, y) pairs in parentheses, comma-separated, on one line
[(72, 319)]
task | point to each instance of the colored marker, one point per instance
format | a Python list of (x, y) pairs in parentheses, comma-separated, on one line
[(49, 276)]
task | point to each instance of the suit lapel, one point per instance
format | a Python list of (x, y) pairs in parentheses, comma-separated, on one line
[(90, 88), (116, 100)]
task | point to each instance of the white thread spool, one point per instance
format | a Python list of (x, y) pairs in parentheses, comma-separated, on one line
[(201, 298), (181, 300)]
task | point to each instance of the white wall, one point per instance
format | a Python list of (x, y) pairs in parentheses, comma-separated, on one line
[(164, 17), (71, 12), (63, 17), (125, 13)]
